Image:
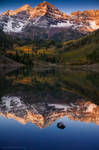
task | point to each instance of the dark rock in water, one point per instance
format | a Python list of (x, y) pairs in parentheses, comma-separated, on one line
[(60, 125)]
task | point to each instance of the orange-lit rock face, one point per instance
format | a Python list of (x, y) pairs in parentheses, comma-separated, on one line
[(46, 8), (42, 9), (97, 17), (26, 8), (42, 115), (89, 20)]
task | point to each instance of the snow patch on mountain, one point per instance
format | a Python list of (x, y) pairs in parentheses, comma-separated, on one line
[(36, 20), (93, 25), (13, 25), (10, 102), (62, 24)]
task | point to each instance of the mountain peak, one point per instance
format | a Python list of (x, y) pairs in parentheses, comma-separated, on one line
[(24, 7), (48, 9), (41, 9), (46, 3), (14, 12)]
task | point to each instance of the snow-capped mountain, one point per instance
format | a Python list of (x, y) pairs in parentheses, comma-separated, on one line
[(42, 15), (45, 20), (44, 114)]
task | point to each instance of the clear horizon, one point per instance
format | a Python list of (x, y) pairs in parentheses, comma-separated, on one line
[(64, 6)]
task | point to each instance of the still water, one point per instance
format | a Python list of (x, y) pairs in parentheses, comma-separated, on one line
[(34, 101)]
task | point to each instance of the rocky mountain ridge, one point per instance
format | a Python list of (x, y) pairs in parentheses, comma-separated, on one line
[(44, 18)]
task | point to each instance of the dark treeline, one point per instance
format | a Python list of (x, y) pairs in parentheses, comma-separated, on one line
[(24, 58), (6, 41)]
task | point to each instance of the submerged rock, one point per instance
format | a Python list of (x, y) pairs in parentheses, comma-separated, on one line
[(60, 125)]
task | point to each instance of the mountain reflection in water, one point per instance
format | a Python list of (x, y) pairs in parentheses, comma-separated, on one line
[(44, 114), (43, 96)]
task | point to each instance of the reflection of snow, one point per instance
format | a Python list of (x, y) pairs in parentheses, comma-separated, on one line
[(10, 102), (59, 106), (91, 107)]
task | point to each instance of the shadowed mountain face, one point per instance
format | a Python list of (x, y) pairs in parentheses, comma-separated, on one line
[(41, 97), (40, 22)]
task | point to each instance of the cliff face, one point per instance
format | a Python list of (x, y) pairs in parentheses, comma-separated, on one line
[(44, 17), (43, 114)]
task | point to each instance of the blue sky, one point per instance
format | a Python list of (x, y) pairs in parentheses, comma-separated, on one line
[(66, 6)]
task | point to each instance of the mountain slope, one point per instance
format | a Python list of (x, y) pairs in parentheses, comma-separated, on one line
[(84, 50), (81, 51), (6, 41)]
